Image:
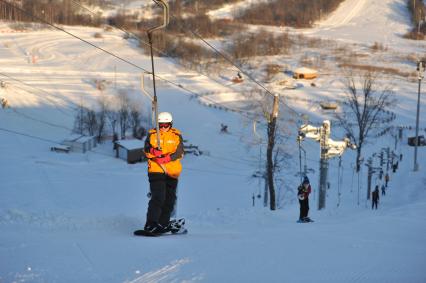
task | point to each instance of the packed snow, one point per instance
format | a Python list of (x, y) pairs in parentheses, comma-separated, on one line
[(69, 217)]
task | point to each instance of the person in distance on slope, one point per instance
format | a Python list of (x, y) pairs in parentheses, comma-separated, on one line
[(386, 179), (383, 190), (375, 197), (303, 195), (164, 168)]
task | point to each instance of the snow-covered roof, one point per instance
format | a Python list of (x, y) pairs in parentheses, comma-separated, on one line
[(304, 70), (78, 138), (85, 138), (131, 144)]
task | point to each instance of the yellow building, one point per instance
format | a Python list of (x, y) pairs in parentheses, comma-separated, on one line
[(305, 73)]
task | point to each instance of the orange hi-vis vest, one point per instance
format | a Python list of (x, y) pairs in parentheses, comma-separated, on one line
[(171, 144)]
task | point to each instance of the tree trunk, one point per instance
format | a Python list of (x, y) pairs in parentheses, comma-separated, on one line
[(269, 161), (358, 159)]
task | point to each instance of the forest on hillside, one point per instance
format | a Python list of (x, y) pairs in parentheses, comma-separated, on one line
[(297, 13), (67, 12), (417, 10)]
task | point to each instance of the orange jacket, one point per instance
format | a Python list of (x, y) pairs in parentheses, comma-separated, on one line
[(171, 144)]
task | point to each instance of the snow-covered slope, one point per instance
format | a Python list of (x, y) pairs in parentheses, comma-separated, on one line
[(70, 217), (354, 21), (362, 21)]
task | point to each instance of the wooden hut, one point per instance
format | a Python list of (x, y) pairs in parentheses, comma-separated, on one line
[(130, 150), (80, 143), (305, 73)]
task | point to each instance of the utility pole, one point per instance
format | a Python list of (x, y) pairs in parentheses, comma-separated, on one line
[(420, 70), (396, 142), (387, 159), (265, 192), (272, 126), (299, 140), (370, 175), (328, 149), (324, 136), (371, 171), (115, 77)]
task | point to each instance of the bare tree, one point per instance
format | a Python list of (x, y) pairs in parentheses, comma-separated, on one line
[(135, 119), (123, 112), (365, 109), (266, 109), (101, 117), (90, 123), (79, 119), (112, 114)]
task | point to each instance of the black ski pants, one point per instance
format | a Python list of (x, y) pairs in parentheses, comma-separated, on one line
[(374, 203), (163, 198), (304, 208)]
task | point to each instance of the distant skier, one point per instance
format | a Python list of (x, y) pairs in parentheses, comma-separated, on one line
[(395, 166), (383, 190), (375, 197), (386, 179), (164, 168), (223, 128), (303, 195)]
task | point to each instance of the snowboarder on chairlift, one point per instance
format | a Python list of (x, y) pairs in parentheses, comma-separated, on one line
[(164, 168), (303, 195)]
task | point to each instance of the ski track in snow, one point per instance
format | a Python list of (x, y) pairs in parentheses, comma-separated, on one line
[(166, 274), (341, 16)]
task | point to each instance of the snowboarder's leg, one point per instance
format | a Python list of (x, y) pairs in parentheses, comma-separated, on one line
[(158, 196), (304, 208), (169, 202), (307, 208), (301, 209)]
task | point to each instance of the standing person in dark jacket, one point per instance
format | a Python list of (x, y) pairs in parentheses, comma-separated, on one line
[(375, 197), (303, 195), (164, 168)]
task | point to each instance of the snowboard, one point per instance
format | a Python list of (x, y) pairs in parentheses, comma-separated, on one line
[(176, 227), (145, 233), (305, 221)]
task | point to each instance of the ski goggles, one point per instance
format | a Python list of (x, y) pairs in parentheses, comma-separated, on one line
[(164, 125)]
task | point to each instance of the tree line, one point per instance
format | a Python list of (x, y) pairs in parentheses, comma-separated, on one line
[(297, 13), (417, 10), (114, 115), (66, 12)]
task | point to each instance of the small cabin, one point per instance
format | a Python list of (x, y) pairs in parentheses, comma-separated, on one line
[(130, 150), (305, 73), (80, 143), (238, 78), (328, 105)]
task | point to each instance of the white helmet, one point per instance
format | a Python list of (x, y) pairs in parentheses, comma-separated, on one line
[(165, 117)]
